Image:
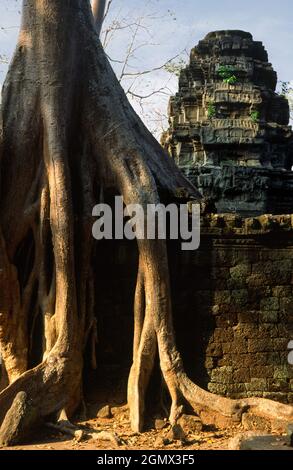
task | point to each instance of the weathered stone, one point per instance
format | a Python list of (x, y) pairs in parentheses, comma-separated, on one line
[(257, 280), (176, 433), (268, 330), (245, 331), (226, 360), (252, 422), (286, 309), (212, 335), (282, 372), (278, 385), (241, 375), (234, 390), (239, 345), (222, 297), (227, 318), (260, 345), (280, 344), (269, 316), (160, 424), (248, 316), (280, 397), (240, 270), (214, 350), (262, 372), (236, 441), (256, 385), (252, 394), (190, 424), (223, 334), (259, 442), (276, 272), (222, 375), (240, 297), (282, 291), (218, 389), (216, 310), (105, 412), (209, 362), (239, 274), (269, 304), (219, 133), (273, 358)]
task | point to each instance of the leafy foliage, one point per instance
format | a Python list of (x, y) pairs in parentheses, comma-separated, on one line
[(211, 110), (255, 116), (227, 73)]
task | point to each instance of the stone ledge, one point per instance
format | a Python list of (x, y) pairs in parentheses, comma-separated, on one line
[(233, 224)]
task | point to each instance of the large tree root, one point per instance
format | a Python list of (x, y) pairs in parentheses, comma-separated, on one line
[(80, 433), (21, 415), (68, 130)]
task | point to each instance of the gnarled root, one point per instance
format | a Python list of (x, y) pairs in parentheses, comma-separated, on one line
[(40, 392), (63, 97), (81, 432), (20, 420)]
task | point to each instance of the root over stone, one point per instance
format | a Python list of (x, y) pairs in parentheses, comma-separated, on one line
[(67, 130)]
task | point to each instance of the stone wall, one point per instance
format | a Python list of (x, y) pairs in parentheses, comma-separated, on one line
[(233, 307), (233, 302)]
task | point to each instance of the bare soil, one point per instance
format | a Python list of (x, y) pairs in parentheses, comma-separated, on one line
[(152, 439)]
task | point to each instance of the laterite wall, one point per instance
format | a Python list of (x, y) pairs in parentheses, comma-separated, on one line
[(233, 306), (233, 301)]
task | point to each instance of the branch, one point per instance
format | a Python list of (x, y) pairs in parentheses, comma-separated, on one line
[(155, 69), (143, 97)]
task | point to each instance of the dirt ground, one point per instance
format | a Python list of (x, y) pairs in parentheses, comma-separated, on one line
[(152, 439)]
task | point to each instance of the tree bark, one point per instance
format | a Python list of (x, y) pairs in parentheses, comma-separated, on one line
[(68, 128), (99, 8)]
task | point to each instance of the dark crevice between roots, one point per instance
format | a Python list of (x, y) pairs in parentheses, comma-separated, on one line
[(49, 261), (36, 345), (33, 312), (24, 259)]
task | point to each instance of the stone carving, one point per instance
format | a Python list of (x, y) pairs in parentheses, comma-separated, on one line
[(229, 128)]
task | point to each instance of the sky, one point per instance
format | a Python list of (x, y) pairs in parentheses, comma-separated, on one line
[(167, 29)]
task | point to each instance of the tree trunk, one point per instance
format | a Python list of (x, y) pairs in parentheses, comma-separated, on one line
[(99, 8), (67, 129)]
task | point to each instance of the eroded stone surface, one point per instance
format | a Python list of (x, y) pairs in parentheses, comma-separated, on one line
[(229, 128)]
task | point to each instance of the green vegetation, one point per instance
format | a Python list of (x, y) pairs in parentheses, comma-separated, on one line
[(227, 73), (211, 110), (255, 116)]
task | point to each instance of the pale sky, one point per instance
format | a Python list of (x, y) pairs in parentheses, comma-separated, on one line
[(168, 28)]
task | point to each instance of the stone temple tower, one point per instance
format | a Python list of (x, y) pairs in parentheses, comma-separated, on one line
[(229, 129)]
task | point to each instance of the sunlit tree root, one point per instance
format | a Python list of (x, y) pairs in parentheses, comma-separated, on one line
[(80, 433), (68, 130), (213, 409)]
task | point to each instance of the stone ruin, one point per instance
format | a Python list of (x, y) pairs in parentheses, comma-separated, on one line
[(229, 129), (233, 297), (229, 132)]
